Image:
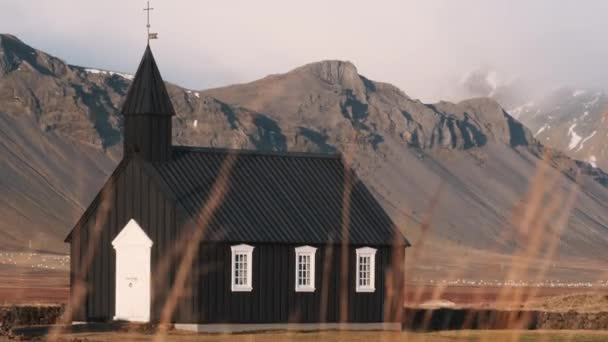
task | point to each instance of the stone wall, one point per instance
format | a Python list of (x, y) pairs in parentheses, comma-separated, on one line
[(572, 320), (12, 316), (456, 319)]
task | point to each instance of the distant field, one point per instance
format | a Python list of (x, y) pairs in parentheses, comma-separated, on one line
[(24, 284), (30, 278), (27, 278)]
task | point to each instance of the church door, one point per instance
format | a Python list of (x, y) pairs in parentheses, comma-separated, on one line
[(132, 247)]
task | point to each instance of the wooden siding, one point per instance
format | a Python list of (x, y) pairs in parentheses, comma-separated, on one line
[(274, 299), (207, 297), (149, 136), (133, 195)]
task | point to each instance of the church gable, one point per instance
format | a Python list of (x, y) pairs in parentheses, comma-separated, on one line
[(101, 197), (131, 192)]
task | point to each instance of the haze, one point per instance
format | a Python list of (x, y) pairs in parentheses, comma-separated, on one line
[(423, 47)]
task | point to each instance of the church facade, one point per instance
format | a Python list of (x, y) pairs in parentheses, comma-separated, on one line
[(205, 237)]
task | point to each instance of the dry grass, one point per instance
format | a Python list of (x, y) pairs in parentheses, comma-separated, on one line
[(585, 302), (339, 336), (536, 224), (30, 286)]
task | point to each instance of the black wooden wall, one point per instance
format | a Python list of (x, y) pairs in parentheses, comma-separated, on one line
[(130, 193), (273, 298), (148, 135), (207, 298)]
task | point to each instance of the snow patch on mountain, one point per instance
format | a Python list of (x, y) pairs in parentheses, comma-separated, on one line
[(575, 139), (518, 111), (593, 161), (111, 73), (123, 75), (585, 140), (95, 71), (593, 102), (542, 129), (195, 93), (492, 80), (578, 92)]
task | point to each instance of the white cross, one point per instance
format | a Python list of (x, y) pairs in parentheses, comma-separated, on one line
[(153, 35)]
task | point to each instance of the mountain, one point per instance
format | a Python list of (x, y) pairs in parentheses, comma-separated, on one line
[(573, 120), (60, 137), (461, 171)]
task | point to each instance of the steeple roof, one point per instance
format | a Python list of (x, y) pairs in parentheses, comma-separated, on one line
[(148, 94)]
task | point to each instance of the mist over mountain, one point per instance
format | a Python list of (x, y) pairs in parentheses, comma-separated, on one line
[(570, 119), (60, 137)]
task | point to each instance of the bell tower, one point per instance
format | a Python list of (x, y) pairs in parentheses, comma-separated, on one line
[(147, 113)]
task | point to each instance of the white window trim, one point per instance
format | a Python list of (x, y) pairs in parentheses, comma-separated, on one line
[(371, 253), (247, 250), (310, 251)]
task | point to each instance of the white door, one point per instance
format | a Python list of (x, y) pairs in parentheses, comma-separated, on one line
[(132, 247)]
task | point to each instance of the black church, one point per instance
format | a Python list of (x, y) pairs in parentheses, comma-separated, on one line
[(219, 239)]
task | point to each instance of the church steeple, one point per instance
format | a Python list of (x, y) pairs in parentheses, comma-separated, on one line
[(147, 113)]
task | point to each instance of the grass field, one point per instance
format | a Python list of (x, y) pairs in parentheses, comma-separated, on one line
[(337, 336), (24, 284)]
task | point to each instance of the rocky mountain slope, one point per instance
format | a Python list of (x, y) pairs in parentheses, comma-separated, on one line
[(471, 163), (573, 120)]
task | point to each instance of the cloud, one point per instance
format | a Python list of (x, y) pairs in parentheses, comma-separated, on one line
[(423, 47)]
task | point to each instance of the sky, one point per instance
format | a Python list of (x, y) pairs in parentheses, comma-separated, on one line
[(422, 46)]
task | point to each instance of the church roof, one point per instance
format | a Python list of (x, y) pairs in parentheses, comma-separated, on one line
[(277, 197), (147, 94)]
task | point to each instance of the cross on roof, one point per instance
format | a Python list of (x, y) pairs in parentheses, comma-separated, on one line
[(150, 35)]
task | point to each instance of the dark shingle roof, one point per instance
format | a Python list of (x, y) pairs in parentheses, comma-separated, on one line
[(147, 94), (277, 197)]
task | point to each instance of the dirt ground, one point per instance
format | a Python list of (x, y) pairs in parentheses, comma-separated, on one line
[(337, 336), (33, 285)]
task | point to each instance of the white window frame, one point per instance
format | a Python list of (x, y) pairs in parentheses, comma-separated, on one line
[(310, 252), (248, 252), (371, 253)]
